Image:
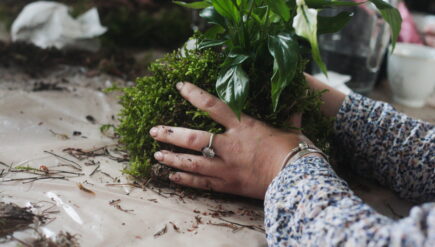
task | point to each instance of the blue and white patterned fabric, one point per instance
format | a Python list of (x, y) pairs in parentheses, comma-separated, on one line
[(307, 204)]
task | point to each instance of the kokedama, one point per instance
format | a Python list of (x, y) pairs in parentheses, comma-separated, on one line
[(252, 57)]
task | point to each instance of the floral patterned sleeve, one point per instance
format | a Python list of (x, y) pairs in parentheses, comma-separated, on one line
[(307, 204), (389, 146)]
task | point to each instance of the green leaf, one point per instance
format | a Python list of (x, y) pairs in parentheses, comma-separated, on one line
[(213, 32), (332, 24), (305, 25), (194, 5), (321, 4), (212, 16), (392, 16), (232, 85), (285, 51), (227, 9), (280, 8), (242, 3), (210, 43), (234, 59)]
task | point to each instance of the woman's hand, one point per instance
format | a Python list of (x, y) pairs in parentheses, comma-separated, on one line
[(248, 155)]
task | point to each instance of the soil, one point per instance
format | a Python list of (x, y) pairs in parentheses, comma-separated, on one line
[(62, 240), (35, 61), (14, 218)]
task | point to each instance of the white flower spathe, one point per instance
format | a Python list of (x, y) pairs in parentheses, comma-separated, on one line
[(305, 21), (305, 25)]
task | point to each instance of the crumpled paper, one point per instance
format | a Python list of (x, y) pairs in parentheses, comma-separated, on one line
[(49, 24)]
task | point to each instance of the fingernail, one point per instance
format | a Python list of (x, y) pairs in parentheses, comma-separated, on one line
[(158, 156), (180, 85), (153, 131)]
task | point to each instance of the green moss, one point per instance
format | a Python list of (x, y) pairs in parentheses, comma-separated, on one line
[(155, 101)]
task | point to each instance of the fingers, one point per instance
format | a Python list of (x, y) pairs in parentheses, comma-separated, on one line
[(197, 181), (218, 110), (185, 138), (190, 163)]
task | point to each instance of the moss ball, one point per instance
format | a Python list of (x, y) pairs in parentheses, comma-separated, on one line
[(154, 100)]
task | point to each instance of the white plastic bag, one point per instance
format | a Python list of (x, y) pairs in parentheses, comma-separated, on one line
[(48, 24)]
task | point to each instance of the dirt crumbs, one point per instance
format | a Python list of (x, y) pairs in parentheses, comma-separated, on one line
[(116, 204), (14, 218), (62, 240), (161, 232)]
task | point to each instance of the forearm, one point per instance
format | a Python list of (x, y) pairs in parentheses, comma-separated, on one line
[(332, 98), (307, 204), (384, 144), (389, 146)]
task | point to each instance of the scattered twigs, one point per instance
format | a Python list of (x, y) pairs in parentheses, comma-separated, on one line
[(4, 164), (61, 239), (252, 227), (176, 228), (216, 213), (67, 172), (20, 241), (94, 171), (60, 157), (71, 166), (115, 203), (158, 192), (61, 136), (2, 173), (81, 154), (30, 179), (129, 184), (91, 163), (84, 189), (13, 218), (161, 232), (42, 178), (45, 172), (108, 175), (47, 210), (233, 227), (180, 196)]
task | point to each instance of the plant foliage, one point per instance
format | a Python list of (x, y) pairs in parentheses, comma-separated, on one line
[(155, 100), (254, 30), (252, 57)]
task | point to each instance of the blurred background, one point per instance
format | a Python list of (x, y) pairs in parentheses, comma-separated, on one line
[(138, 31), (425, 6)]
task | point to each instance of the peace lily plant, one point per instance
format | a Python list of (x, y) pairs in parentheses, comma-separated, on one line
[(253, 57)]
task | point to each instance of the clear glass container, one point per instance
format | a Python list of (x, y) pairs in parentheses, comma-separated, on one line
[(359, 48)]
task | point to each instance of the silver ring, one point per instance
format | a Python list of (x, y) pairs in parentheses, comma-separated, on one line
[(208, 151)]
